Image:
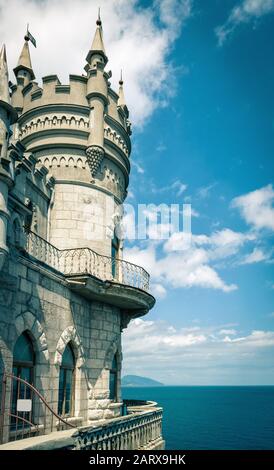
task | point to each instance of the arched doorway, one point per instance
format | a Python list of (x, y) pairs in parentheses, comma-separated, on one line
[(67, 383)]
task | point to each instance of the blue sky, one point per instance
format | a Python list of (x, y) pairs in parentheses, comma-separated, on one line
[(198, 79), (215, 136)]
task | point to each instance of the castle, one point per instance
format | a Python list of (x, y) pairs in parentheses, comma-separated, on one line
[(66, 293)]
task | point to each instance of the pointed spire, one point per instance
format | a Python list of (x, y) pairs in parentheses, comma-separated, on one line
[(4, 79), (4, 85), (121, 100), (97, 46), (24, 61)]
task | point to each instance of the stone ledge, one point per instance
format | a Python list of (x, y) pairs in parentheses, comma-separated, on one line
[(53, 441)]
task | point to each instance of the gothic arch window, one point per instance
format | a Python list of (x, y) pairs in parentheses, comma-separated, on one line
[(67, 383), (15, 232), (113, 379), (23, 367), (114, 256), (23, 358)]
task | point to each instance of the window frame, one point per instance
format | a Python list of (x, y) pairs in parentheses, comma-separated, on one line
[(115, 245), (16, 385), (113, 372), (65, 368)]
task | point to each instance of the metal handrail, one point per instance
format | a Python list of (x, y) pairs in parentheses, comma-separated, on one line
[(87, 261), (39, 409), (14, 377)]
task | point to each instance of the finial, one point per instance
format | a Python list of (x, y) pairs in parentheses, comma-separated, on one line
[(26, 37), (99, 22), (121, 79)]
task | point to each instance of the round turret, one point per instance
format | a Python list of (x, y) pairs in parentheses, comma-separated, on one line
[(81, 134)]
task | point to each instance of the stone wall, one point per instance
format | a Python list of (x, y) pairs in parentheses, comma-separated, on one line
[(37, 300), (81, 217)]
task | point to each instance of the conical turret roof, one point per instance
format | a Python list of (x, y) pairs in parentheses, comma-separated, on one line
[(4, 85), (97, 46), (24, 61)]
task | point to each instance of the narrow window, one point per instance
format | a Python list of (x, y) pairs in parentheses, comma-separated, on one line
[(113, 374), (66, 383), (114, 256)]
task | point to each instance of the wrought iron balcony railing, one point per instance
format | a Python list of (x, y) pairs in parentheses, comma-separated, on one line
[(86, 261)]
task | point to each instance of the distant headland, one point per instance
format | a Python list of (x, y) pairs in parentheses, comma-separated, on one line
[(137, 381)]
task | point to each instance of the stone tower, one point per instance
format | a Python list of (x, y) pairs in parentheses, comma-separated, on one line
[(66, 293)]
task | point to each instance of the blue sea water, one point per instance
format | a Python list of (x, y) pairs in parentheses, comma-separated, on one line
[(215, 417)]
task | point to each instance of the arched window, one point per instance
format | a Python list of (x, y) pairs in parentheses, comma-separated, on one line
[(23, 367), (113, 375), (16, 232), (23, 358), (114, 256), (66, 383)]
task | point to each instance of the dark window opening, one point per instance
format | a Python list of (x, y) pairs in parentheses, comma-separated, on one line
[(114, 256), (23, 367), (113, 376), (66, 383)]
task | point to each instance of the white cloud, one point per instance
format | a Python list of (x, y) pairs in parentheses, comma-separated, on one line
[(134, 38), (257, 208), (204, 191), (177, 186), (185, 268), (158, 291), (244, 12), (138, 167), (227, 332), (194, 354), (220, 244), (256, 256), (174, 12)]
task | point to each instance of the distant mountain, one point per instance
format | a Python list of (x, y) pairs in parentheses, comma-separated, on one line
[(137, 381)]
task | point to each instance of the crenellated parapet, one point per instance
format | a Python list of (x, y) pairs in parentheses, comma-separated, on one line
[(79, 133), (53, 92)]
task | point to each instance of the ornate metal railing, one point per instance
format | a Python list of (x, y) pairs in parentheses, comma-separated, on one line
[(26, 413), (140, 430), (87, 261)]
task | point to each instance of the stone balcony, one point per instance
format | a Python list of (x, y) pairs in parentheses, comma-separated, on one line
[(96, 276), (139, 429)]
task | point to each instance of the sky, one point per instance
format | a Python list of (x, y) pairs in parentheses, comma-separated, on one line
[(198, 79)]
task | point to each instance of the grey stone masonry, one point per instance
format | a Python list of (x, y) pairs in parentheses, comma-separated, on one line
[(65, 289)]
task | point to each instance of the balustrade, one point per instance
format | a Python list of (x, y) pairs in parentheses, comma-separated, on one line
[(135, 431), (87, 261)]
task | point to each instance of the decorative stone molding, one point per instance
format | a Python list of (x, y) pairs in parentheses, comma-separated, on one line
[(69, 334), (113, 179), (54, 122), (28, 322), (62, 161), (95, 155), (116, 139)]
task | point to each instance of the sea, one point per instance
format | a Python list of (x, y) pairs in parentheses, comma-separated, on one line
[(213, 417)]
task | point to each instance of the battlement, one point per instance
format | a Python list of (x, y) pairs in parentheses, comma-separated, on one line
[(54, 92)]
